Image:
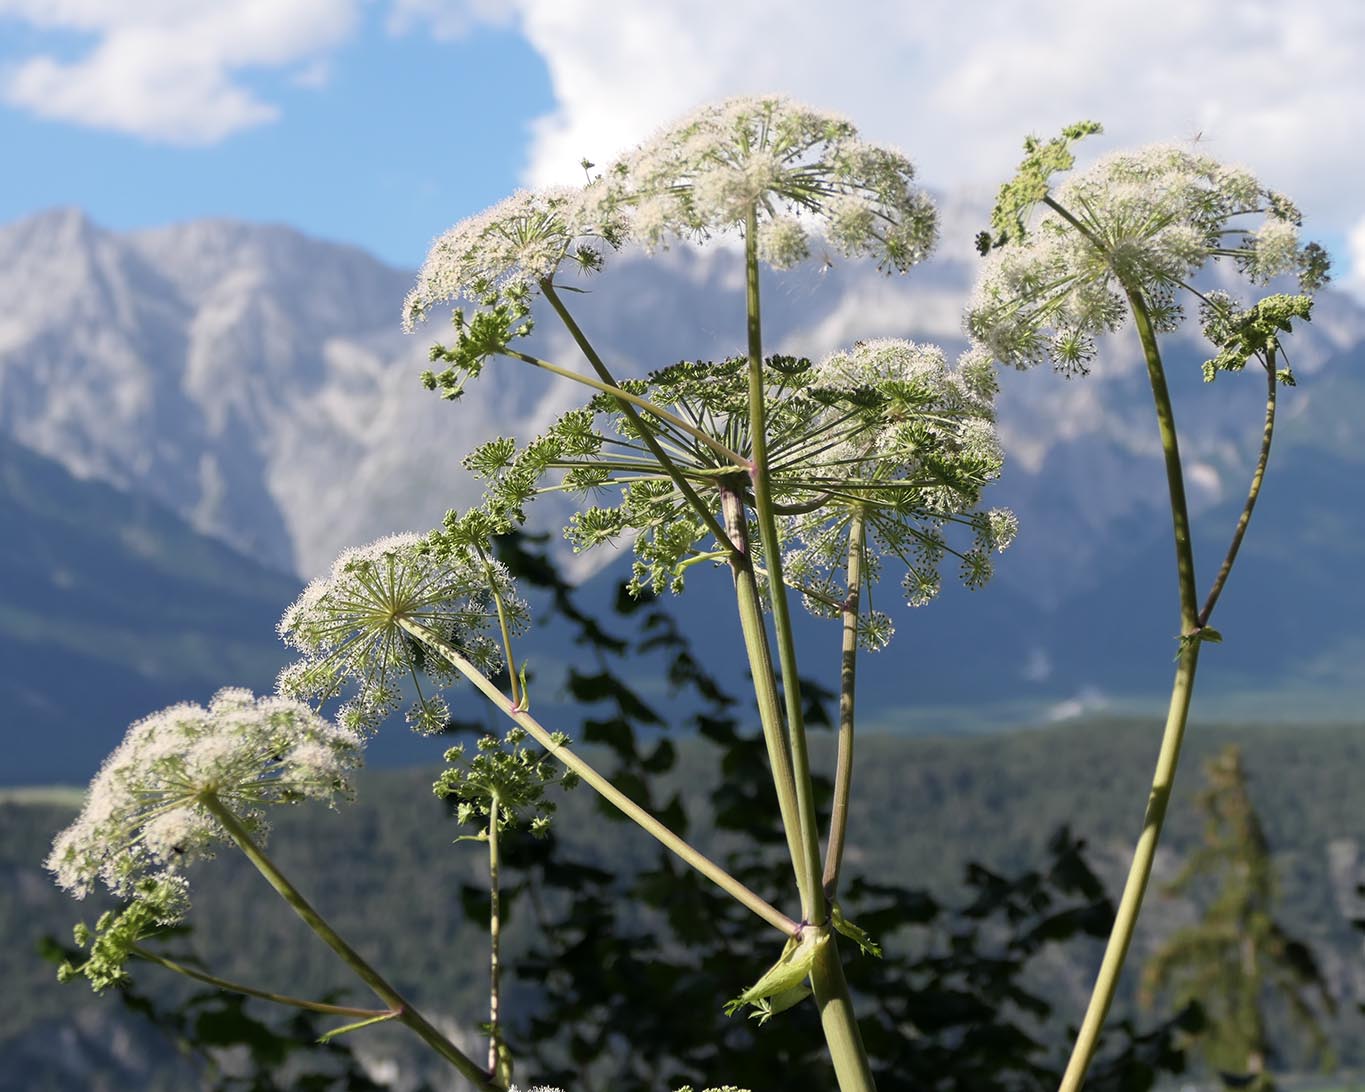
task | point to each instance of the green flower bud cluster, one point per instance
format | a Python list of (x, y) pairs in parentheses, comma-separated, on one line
[(509, 774)]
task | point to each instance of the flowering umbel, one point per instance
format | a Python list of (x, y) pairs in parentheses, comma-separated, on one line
[(794, 167), (144, 816), (349, 627), (1138, 224), (506, 250), (887, 430)]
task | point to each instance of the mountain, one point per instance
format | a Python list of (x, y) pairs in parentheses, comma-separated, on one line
[(255, 382), (111, 607)]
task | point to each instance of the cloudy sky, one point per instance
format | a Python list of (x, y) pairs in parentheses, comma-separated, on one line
[(380, 122)]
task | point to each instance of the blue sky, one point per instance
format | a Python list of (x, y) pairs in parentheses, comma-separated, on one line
[(381, 122)]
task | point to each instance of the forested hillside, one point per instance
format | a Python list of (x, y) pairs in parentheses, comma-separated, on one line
[(386, 871)]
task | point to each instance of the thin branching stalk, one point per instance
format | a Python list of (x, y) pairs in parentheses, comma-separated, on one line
[(405, 1013), (848, 677), (594, 359), (1257, 476), (1168, 758), (613, 795), (264, 995), (497, 1061)]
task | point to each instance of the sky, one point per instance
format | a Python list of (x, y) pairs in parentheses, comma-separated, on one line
[(382, 122)]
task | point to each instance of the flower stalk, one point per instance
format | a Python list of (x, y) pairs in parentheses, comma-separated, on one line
[(602, 785), (405, 1013)]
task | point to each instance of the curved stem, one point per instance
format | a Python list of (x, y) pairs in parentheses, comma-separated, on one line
[(848, 676), (1168, 758), (1252, 493), (405, 1013), (615, 796), (1139, 872), (264, 995), (812, 898)]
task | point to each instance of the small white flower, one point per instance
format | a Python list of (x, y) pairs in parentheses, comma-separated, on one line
[(143, 813)]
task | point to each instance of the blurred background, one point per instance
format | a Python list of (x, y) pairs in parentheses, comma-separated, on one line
[(209, 217)]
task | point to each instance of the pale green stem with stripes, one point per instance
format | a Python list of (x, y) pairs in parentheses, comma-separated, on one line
[(613, 795), (848, 677), (1168, 758), (405, 1013)]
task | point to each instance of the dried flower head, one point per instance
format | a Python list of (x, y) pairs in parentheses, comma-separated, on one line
[(797, 168), (1140, 223), (143, 814), (349, 627)]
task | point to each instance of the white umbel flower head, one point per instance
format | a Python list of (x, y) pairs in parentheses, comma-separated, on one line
[(143, 814), (1138, 222), (913, 474), (511, 247), (800, 170), (349, 627)]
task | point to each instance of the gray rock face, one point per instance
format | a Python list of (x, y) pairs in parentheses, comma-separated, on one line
[(256, 381)]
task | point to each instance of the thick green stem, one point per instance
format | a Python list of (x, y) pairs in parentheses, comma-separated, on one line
[(406, 1014), (1168, 758), (265, 995), (848, 677), (845, 1044), (1257, 476), (610, 792), (812, 897), (851, 1067)]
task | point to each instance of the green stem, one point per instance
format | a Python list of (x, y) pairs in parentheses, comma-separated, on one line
[(1253, 492), (613, 795), (1168, 758), (1139, 872), (812, 897), (628, 405), (498, 1061), (251, 991), (851, 1067), (761, 670), (405, 1013), (848, 676)]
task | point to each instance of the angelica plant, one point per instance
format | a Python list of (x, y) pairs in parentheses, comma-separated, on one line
[(1124, 241), (799, 477)]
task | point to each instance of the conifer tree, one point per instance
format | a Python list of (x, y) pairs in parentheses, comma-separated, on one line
[(1237, 961)]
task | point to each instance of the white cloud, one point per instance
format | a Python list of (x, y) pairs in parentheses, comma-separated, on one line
[(957, 85), (169, 70)]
